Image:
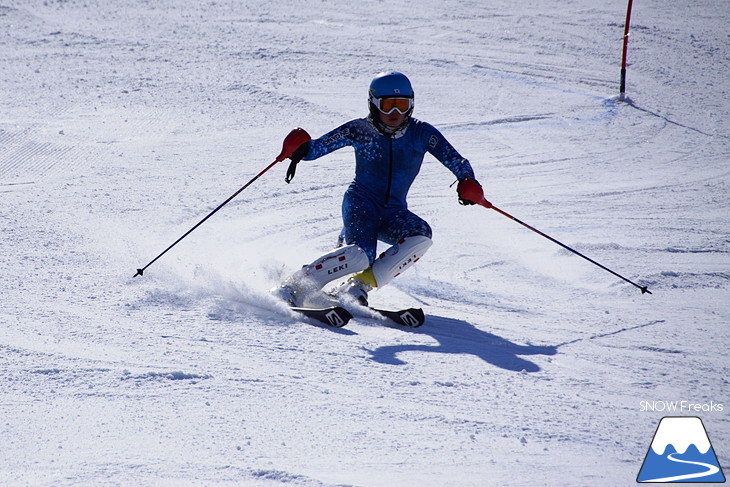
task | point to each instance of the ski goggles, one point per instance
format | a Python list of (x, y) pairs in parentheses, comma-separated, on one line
[(387, 105)]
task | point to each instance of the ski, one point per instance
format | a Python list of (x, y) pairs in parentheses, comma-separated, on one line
[(335, 316), (330, 311), (411, 317)]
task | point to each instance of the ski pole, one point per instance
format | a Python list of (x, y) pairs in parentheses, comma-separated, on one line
[(292, 141), (487, 204), (622, 89)]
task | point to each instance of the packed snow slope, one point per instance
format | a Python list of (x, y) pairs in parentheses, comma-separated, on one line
[(122, 124)]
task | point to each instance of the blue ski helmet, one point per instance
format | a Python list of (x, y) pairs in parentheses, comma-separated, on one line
[(391, 84)]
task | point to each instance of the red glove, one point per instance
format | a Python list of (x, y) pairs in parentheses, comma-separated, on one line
[(295, 147), (471, 193), (292, 142)]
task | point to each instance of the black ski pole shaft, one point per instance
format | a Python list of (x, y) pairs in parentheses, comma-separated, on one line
[(487, 204), (292, 141), (141, 271)]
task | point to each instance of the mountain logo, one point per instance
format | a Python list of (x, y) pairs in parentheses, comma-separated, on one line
[(681, 452)]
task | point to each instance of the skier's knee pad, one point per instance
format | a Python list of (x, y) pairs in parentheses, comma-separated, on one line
[(335, 265), (399, 257)]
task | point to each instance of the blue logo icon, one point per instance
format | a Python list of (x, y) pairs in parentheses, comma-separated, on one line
[(681, 452)]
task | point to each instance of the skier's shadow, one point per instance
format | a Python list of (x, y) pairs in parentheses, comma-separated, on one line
[(461, 337)]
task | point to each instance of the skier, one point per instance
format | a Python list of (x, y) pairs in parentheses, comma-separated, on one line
[(389, 149)]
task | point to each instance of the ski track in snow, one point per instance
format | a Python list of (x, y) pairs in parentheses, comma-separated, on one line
[(124, 125)]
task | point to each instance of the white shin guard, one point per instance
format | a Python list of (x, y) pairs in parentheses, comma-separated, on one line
[(399, 257), (331, 266)]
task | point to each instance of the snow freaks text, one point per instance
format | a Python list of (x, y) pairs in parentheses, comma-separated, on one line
[(680, 407)]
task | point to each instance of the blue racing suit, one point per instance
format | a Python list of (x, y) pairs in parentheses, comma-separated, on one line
[(374, 207)]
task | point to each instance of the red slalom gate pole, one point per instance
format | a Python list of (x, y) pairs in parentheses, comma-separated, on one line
[(625, 50), (487, 204), (296, 137)]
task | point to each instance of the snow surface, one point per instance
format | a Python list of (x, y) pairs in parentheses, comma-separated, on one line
[(125, 123)]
